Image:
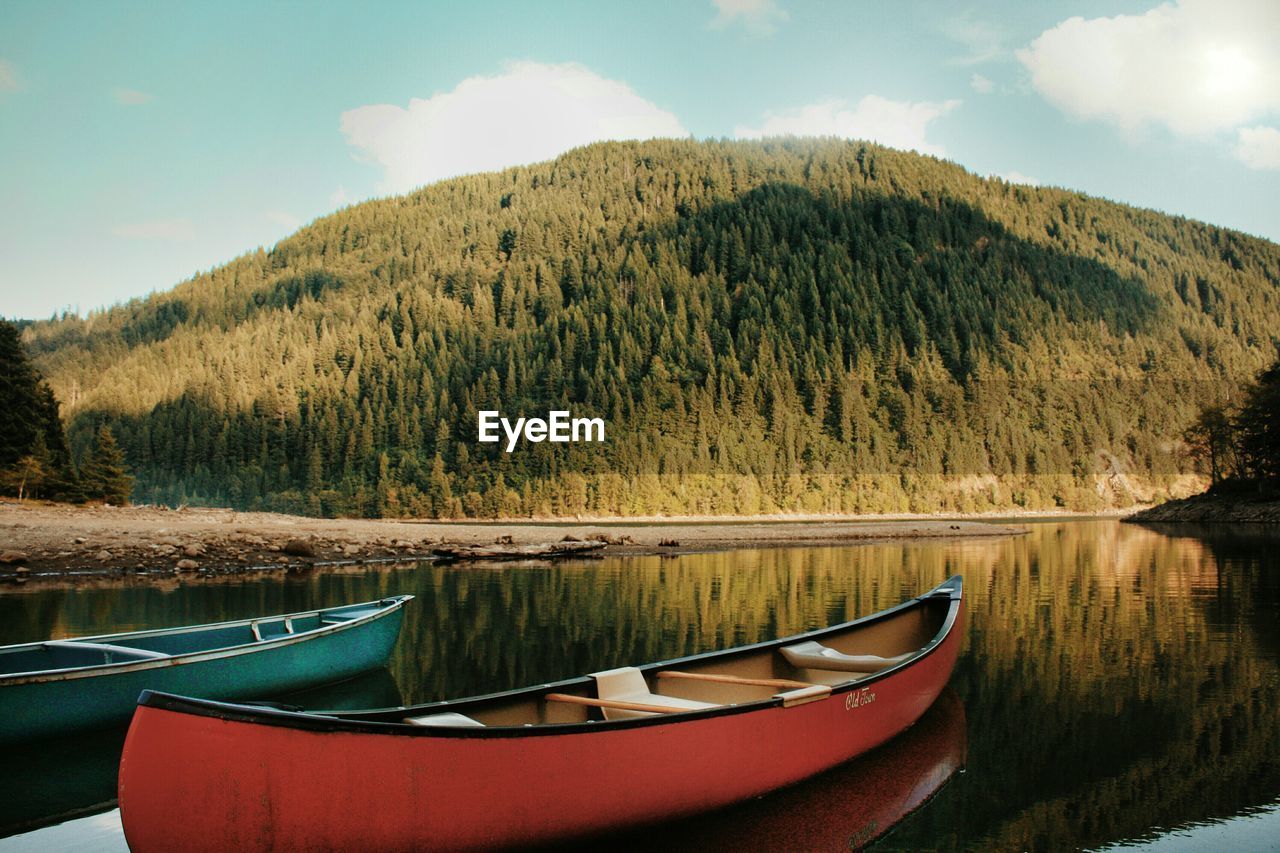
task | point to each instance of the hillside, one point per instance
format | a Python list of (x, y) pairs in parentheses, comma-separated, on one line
[(780, 326)]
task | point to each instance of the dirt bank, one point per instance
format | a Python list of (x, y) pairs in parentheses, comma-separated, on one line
[(1229, 505), (40, 539)]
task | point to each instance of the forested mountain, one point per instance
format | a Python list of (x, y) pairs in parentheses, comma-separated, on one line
[(789, 325)]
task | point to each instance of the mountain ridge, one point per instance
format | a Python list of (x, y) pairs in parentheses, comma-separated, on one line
[(793, 308)]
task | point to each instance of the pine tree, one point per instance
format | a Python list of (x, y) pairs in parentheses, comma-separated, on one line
[(33, 443), (103, 475), (61, 482), (19, 416), (1258, 425), (439, 493), (1211, 438)]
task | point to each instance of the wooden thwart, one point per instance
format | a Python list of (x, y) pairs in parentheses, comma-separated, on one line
[(781, 683), (613, 703), (805, 695)]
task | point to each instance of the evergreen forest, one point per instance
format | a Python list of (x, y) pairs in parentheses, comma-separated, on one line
[(784, 326)]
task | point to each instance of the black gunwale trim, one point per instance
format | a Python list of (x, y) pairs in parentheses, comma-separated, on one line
[(953, 589)]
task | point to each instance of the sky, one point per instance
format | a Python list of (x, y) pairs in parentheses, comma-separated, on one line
[(144, 142)]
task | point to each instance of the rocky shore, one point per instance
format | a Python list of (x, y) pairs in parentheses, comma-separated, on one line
[(1238, 505), (57, 540)]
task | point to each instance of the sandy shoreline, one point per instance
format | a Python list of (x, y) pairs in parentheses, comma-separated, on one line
[(38, 539)]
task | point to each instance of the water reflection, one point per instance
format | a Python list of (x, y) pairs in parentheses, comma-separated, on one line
[(60, 779), (1118, 681), (847, 808), (376, 689)]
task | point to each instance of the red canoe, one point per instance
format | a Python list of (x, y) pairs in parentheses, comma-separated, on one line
[(594, 754)]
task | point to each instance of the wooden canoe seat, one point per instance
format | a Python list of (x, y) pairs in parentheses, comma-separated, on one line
[(813, 655), (626, 684), (447, 718)]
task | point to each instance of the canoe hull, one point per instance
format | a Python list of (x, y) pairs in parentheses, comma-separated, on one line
[(846, 808), (42, 709), (256, 782)]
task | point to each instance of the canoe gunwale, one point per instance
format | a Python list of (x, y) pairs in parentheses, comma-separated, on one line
[(384, 606), (952, 589)]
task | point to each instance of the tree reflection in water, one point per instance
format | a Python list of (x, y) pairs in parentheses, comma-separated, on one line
[(1117, 680)]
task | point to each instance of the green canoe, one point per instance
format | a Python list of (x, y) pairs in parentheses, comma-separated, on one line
[(61, 686)]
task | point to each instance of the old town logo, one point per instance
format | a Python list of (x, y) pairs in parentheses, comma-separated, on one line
[(858, 698)]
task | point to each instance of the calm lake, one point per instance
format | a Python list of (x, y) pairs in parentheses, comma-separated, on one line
[(1119, 686)]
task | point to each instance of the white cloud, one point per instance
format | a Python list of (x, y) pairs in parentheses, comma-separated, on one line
[(8, 76), (528, 113), (760, 17), (1196, 66), (1259, 147), (983, 41), (1019, 178), (130, 97), (159, 229), (282, 217), (897, 124), (338, 197), (981, 85)]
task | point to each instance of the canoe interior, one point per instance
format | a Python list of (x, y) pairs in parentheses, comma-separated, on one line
[(147, 645), (909, 629)]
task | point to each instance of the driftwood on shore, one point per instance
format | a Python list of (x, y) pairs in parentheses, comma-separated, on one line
[(506, 551)]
